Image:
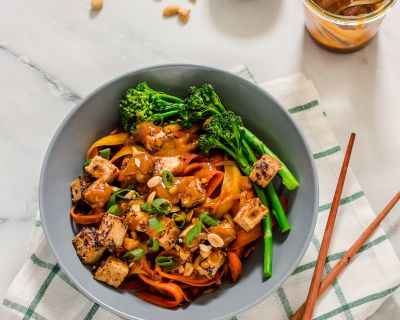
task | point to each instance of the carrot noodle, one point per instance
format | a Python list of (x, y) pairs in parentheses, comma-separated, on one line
[(243, 237), (199, 281), (225, 163), (191, 167), (235, 265), (190, 158), (91, 218), (172, 289), (146, 266), (284, 202), (132, 284)]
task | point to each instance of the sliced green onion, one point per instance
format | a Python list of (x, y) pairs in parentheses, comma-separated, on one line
[(105, 153), (123, 192), (87, 162), (134, 255), (147, 207), (164, 261), (193, 232), (162, 206), (168, 179), (206, 219), (155, 224), (179, 220), (114, 210), (112, 200), (153, 244)]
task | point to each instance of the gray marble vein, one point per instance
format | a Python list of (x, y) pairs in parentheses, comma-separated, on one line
[(64, 91)]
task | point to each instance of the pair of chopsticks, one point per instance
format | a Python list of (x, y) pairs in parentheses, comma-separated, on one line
[(319, 285)]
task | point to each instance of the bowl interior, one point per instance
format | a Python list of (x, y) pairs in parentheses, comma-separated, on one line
[(97, 115)]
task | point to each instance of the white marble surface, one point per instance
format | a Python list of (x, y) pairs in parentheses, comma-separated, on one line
[(54, 52)]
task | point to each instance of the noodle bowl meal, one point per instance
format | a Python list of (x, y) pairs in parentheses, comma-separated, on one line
[(171, 203)]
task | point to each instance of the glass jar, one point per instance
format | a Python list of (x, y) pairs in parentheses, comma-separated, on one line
[(343, 33)]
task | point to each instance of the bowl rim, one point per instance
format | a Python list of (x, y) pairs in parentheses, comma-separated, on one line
[(99, 88)]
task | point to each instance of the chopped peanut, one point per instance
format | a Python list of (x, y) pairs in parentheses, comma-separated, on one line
[(97, 5), (171, 10), (184, 15)]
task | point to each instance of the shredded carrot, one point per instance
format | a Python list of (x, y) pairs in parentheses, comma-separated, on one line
[(243, 237), (191, 167), (214, 182), (146, 266), (190, 158), (172, 289), (225, 163), (284, 202), (86, 218), (132, 284), (235, 265), (199, 281)]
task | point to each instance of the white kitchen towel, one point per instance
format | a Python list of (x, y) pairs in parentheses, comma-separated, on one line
[(41, 290)]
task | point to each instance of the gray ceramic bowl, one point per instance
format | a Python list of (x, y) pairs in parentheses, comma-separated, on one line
[(97, 115)]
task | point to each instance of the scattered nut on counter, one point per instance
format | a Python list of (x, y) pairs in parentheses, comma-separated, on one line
[(171, 10), (97, 5), (184, 15)]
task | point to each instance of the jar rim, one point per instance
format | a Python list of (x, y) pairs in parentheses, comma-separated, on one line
[(376, 14)]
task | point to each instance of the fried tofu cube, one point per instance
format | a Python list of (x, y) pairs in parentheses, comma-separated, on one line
[(78, 186), (150, 135), (193, 192), (136, 218), (97, 194), (251, 214), (169, 236), (88, 246), (264, 170), (112, 231), (101, 168), (112, 271), (173, 164)]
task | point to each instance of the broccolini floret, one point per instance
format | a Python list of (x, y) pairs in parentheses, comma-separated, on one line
[(142, 103)]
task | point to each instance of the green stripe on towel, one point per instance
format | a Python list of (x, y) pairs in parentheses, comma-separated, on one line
[(92, 312), (285, 303), (40, 263), (303, 107), (357, 303), (41, 292), (336, 287), (325, 153), (345, 200), (20, 308), (337, 256)]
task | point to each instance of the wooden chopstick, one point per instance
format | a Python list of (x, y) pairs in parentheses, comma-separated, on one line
[(345, 260), (323, 252)]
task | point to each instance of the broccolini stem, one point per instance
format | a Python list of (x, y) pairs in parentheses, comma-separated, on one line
[(171, 98), (267, 236), (267, 227), (159, 117), (288, 178), (277, 209), (268, 251), (239, 158), (276, 206)]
